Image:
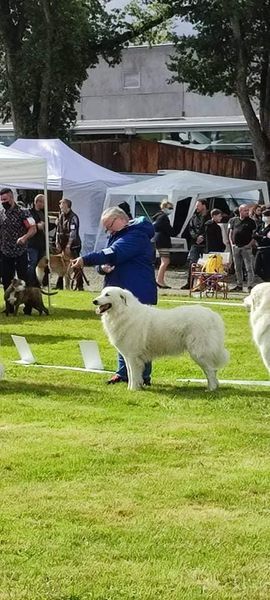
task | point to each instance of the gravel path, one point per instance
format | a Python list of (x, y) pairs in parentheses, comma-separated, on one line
[(174, 277)]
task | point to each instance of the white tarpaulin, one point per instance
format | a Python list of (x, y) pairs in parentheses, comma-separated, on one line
[(84, 182), (29, 170), (19, 166), (178, 185)]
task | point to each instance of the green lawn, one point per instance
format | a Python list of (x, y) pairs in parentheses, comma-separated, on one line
[(108, 494)]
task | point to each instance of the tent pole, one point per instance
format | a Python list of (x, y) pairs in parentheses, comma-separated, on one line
[(189, 215), (47, 246), (265, 193)]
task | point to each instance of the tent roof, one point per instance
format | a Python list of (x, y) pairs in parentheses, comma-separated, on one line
[(18, 166), (184, 184), (67, 168)]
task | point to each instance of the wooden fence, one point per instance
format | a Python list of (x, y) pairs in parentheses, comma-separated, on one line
[(142, 156)]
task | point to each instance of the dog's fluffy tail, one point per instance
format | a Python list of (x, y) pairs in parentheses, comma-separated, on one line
[(222, 358)]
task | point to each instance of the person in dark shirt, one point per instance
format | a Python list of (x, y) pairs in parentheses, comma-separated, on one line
[(262, 237), (162, 238), (213, 234), (36, 245), (241, 231), (197, 233), (67, 238), (17, 227)]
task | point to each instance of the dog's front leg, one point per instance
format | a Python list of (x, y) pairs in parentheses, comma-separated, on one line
[(135, 378)]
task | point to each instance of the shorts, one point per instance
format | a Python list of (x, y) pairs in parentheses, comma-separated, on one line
[(164, 252)]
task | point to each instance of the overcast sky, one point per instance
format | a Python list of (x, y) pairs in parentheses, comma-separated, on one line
[(181, 28)]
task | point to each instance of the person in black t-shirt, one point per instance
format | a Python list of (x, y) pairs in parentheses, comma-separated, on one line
[(213, 234), (241, 231)]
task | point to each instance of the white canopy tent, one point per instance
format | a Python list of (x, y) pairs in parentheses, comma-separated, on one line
[(85, 183), (19, 166), (30, 171), (178, 185)]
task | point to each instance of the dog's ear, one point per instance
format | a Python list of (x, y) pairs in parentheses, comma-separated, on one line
[(123, 298)]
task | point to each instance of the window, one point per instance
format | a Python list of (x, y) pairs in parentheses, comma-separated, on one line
[(131, 80)]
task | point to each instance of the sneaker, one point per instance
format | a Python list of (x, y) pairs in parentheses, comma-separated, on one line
[(115, 379), (147, 381), (185, 287), (237, 288), (164, 287)]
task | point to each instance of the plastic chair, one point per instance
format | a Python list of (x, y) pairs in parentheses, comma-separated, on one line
[(210, 284)]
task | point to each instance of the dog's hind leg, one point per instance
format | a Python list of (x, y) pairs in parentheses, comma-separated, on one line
[(210, 372), (135, 373)]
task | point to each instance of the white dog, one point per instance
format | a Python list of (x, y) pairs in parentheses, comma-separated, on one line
[(141, 333), (258, 302)]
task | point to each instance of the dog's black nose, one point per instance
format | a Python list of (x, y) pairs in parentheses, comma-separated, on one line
[(95, 302)]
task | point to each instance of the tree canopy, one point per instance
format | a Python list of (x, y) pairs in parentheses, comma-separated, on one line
[(230, 52)]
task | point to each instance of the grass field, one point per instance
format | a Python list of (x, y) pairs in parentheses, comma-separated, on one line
[(108, 494)]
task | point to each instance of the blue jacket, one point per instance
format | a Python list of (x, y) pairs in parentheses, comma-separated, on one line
[(131, 253)]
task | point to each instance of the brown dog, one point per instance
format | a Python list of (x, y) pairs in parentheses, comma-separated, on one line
[(17, 293), (59, 264)]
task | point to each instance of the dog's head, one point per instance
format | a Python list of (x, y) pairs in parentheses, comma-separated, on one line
[(18, 285), (112, 298), (259, 298)]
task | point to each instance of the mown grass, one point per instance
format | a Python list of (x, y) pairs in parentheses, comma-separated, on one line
[(108, 494)]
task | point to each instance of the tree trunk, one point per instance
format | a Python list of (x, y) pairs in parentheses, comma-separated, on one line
[(260, 141), (43, 118)]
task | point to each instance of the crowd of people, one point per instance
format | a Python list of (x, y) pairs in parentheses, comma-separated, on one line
[(128, 260), (248, 241), (22, 237)]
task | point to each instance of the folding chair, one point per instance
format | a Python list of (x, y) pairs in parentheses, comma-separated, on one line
[(212, 283)]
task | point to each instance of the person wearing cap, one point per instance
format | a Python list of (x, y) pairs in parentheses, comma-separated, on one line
[(262, 237), (163, 233)]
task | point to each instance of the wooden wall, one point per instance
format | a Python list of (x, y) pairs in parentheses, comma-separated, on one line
[(142, 156)]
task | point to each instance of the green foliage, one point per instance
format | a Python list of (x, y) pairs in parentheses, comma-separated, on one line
[(209, 60), (106, 494), (46, 48)]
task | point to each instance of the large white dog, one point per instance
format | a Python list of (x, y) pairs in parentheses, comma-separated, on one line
[(141, 333), (258, 303)]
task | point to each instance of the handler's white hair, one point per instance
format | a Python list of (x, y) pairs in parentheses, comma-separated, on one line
[(114, 211)]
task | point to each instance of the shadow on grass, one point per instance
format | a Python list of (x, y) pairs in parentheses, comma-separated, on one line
[(56, 313), (192, 391), (120, 394), (32, 338), (43, 389)]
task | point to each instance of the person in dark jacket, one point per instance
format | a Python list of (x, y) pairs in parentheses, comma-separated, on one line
[(213, 234), (67, 237), (36, 245), (262, 259), (126, 262), (163, 233), (197, 234)]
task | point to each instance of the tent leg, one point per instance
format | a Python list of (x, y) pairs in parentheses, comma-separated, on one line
[(47, 245)]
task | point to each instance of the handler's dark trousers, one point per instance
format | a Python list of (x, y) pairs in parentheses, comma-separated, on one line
[(12, 265)]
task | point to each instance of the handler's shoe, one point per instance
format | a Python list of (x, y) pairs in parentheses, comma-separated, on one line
[(147, 381), (115, 379), (237, 288)]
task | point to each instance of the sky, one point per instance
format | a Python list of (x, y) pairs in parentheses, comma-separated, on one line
[(182, 28)]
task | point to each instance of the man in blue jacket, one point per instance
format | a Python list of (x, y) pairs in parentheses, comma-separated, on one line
[(126, 262)]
